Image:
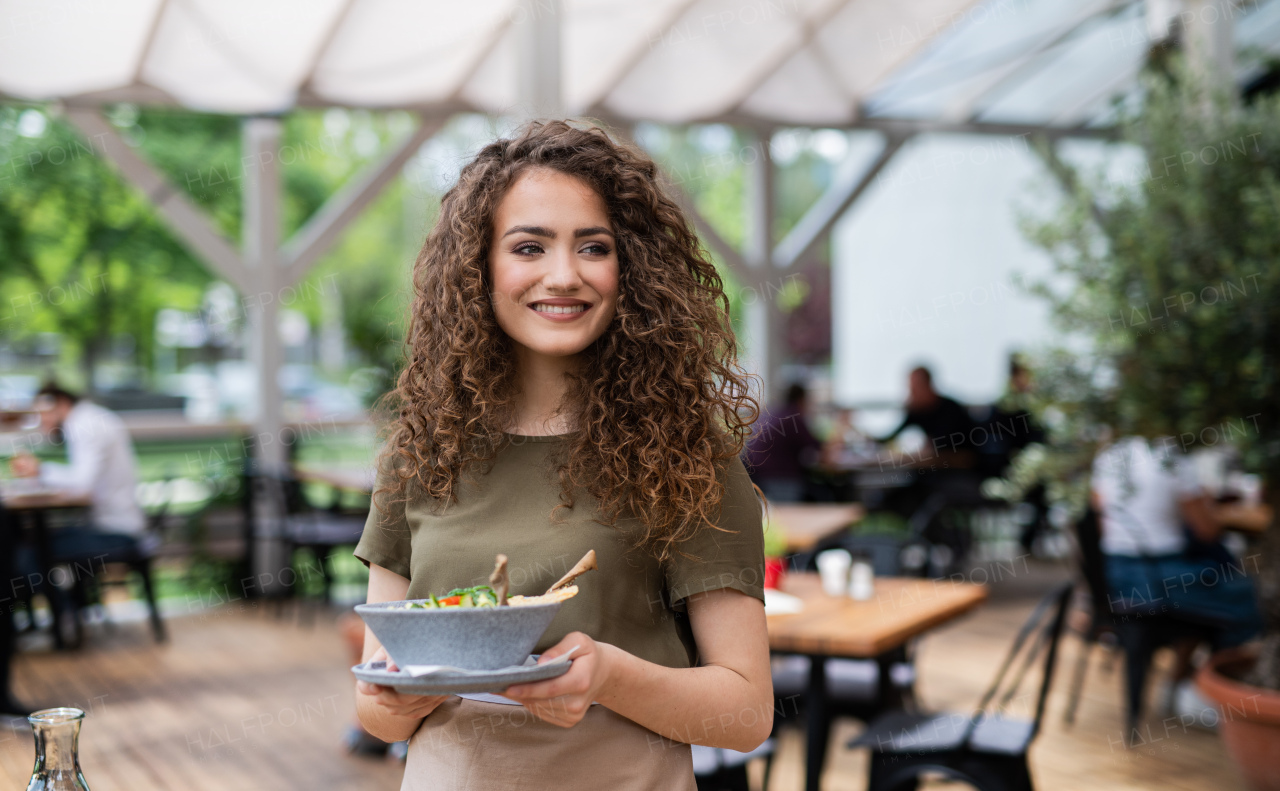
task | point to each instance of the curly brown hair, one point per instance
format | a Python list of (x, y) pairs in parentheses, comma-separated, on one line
[(660, 404)]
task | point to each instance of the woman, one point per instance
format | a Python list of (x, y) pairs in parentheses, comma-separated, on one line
[(572, 384)]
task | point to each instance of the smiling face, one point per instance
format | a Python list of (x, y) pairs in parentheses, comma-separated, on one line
[(553, 264)]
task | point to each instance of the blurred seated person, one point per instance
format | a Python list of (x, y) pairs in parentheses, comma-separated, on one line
[(945, 423), (943, 474), (1008, 426), (100, 464), (1012, 427), (1160, 540), (782, 448)]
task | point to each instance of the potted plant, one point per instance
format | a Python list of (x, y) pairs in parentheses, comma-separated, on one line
[(1170, 270)]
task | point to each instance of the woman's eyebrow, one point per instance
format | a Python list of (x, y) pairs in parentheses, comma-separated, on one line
[(592, 231), (535, 230)]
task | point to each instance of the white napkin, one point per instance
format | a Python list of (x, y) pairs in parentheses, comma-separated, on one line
[(426, 670), (778, 603)]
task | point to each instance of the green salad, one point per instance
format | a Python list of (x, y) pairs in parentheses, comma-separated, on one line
[(479, 596)]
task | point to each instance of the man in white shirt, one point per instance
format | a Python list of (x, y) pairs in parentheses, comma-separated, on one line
[(100, 460), (1160, 539), (1144, 495), (100, 464)]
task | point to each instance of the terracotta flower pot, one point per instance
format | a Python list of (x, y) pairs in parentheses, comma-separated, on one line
[(1250, 724)]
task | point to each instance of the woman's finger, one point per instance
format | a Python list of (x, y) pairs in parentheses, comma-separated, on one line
[(577, 642), (576, 681)]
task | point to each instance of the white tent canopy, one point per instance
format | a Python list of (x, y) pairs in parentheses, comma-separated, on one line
[(776, 62)]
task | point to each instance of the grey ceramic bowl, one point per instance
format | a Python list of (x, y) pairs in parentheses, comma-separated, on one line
[(475, 638)]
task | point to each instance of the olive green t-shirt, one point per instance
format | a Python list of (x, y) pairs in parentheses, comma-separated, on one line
[(632, 601)]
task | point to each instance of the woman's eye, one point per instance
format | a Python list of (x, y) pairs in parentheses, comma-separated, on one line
[(528, 248), (596, 248)]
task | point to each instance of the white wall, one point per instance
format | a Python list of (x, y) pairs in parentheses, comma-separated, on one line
[(923, 270)]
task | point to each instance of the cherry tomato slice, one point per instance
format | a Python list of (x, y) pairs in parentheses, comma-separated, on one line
[(451, 600)]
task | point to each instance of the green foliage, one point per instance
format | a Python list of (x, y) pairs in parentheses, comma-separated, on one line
[(87, 257), (319, 152), (710, 163), (1173, 279), (83, 253)]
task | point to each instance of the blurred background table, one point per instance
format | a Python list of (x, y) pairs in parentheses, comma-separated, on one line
[(30, 499), (803, 525), (900, 610)]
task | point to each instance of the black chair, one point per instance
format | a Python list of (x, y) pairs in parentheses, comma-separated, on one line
[(86, 553), (986, 749), (718, 769), (854, 686), (135, 553), (1091, 568), (305, 527), (1138, 634)]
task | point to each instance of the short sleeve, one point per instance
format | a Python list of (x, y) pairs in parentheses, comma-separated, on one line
[(732, 557), (1103, 473), (386, 537), (1187, 478)]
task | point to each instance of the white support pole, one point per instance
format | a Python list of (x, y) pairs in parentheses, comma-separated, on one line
[(261, 233), (1209, 29), (762, 321), (539, 78)]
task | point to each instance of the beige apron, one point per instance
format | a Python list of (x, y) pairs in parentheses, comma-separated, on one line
[(468, 745)]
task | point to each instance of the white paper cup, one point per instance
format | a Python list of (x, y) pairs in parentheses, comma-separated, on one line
[(833, 568)]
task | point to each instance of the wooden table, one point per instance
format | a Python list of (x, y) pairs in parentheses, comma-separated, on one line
[(44, 500), (902, 609), (1242, 517), (803, 525)]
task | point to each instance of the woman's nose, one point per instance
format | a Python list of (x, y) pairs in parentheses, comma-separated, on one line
[(562, 273)]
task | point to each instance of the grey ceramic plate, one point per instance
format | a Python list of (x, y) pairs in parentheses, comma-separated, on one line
[(448, 683)]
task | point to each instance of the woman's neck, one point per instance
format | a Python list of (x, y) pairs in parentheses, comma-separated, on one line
[(543, 382)]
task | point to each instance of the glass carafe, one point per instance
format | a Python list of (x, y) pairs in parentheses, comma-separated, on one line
[(57, 733)]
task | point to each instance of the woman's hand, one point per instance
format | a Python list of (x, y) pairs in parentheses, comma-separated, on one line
[(564, 700), (395, 703)]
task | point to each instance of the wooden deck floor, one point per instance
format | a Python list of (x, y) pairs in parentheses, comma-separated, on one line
[(235, 700), (243, 700)]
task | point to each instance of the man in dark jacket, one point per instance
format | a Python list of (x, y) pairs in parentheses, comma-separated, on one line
[(943, 420)]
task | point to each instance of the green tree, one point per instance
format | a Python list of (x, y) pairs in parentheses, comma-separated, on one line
[(83, 254), (1175, 284)]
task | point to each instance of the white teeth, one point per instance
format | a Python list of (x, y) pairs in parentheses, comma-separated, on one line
[(542, 308)]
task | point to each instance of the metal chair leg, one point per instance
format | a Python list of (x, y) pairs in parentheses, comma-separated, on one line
[(148, 587), (1077, 678)]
